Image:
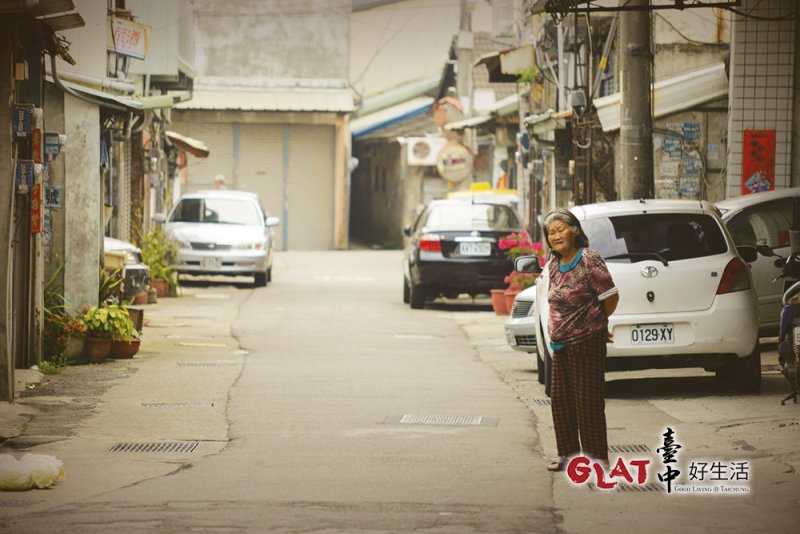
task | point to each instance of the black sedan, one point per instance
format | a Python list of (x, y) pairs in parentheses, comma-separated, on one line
[(452, 249)]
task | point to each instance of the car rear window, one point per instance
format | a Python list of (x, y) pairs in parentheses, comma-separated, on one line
[(671, 236), (217, 210), (471, 217)]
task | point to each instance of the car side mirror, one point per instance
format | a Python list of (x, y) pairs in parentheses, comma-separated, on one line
[(407, 231), (159, 218), (272, 221), (764, 250), (748, 254), (527, 264)]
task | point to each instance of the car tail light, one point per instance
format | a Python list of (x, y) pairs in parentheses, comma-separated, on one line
[(735, 278), (430, 242)]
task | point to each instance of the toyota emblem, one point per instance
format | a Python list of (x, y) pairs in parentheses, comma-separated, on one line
[(212, 246), (649, 272)]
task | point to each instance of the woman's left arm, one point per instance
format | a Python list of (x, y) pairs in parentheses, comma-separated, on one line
[(610, 304)]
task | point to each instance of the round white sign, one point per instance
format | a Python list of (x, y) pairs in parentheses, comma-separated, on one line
[(454, 162)]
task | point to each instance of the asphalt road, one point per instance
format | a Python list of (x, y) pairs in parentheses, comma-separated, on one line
[(306, 399)]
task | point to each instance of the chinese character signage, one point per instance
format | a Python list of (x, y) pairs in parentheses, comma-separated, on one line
[(54, 196), (758, 161), (23, 175), (52, 145), (127, 38), (21, 120), (36, 209)]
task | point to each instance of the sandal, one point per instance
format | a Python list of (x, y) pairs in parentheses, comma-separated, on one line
[(558, 464)]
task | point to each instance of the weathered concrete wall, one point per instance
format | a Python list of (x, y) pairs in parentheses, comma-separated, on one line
[(88, 43), (272, 38), (6, 226)]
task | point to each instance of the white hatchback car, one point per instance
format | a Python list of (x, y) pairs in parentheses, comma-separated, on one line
[(686, 297)]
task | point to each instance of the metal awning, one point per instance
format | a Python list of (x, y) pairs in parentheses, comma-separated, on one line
[(302, 99), (129, 103), (192, 146), (467, 123), (671, 95), (391, 115), (501, 108), (506, 65)]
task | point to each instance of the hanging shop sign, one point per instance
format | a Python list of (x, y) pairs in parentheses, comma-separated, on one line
[(22, 120), (23, 175), (127, 38), (36, 209), (758, 161), (52, 145), (53, 196), (454, 162), (36, 145)]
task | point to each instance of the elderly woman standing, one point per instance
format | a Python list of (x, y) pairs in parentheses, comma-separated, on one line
[(581, 296)]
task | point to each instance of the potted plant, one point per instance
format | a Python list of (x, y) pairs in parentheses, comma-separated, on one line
[(516, 245), (102, 324), (127, 347), (160, 252)]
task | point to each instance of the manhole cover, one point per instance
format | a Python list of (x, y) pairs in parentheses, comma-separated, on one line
[(177, 405), (541, 402), (441, 420), (628, 448), (166, 446)]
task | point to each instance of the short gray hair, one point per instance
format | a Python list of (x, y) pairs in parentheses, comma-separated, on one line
[(568, 218)]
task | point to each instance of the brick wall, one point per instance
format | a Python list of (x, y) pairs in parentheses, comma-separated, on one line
[(761, 84)]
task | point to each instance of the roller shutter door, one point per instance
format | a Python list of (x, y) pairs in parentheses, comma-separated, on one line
[(311, 187), (261, 168)]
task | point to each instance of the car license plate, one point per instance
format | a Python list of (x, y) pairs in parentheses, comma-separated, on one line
[(652, 334), (210, 263), (510, 338), (475, 249)]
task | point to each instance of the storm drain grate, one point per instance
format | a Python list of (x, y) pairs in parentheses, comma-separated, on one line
[(632, 488), (18, 504), (441, 420), (628, 448), (177, 405), (541, 402), (207, 364), (166, 446)]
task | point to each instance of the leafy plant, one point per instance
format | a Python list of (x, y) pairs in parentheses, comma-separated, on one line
[(108, 321), (110, 286), (160, 252), (59, 323), (49, 368)]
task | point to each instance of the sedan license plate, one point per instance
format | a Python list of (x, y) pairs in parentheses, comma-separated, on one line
[(653, 334), (210, 263), (510, 338), (475, 249)]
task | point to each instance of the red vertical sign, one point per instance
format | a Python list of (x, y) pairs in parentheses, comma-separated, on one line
[(36, 209), (758, 161)]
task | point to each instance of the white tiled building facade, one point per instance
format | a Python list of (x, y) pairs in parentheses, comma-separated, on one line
[(761, 84)]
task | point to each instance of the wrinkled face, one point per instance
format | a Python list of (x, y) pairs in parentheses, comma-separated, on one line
[(561, 237)]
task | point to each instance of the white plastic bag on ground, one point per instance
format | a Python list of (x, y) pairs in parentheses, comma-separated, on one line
[(45, 469), (14, 475)]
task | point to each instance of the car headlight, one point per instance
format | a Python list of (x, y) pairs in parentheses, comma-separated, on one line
[(249, 246)]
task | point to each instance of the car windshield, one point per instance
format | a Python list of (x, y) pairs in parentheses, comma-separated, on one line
[(465, 216), (217, 210), (662, 236)]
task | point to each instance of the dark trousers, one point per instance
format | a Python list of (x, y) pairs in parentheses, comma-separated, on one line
[(578, 398)]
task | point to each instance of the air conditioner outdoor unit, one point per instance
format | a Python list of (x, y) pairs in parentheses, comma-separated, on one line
[(422, 151)]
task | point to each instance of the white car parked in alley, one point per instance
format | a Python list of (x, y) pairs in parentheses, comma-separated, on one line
[(686, 297), (520, 327)]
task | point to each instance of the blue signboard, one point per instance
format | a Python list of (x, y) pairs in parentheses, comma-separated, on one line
[(21, 120), (24, 175)]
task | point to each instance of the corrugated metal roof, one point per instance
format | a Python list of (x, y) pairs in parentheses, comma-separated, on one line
[(385, 117), (334, 100)]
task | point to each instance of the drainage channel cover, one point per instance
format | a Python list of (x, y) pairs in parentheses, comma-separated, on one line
[(177, 405), (207, 364), (628, 448), (441, 420), (632, 488), (541, 402), (18, 504), (201, 345), (197, 317), (166, 446)]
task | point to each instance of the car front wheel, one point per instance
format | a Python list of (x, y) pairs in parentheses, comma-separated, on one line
[(260, 279)]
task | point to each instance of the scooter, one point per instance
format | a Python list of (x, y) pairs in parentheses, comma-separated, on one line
[(789, 333)]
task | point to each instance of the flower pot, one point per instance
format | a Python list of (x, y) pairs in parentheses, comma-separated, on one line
[(125, 349), (137, 316), (161, 286), (140, 299), (97, 349), (499, 302), (510, 295), (74, 348)]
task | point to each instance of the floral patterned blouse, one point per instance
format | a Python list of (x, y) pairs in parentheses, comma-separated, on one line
[(575, 295)]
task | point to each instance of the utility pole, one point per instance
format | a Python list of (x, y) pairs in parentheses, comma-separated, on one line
[(465, 42), (635, 176)]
